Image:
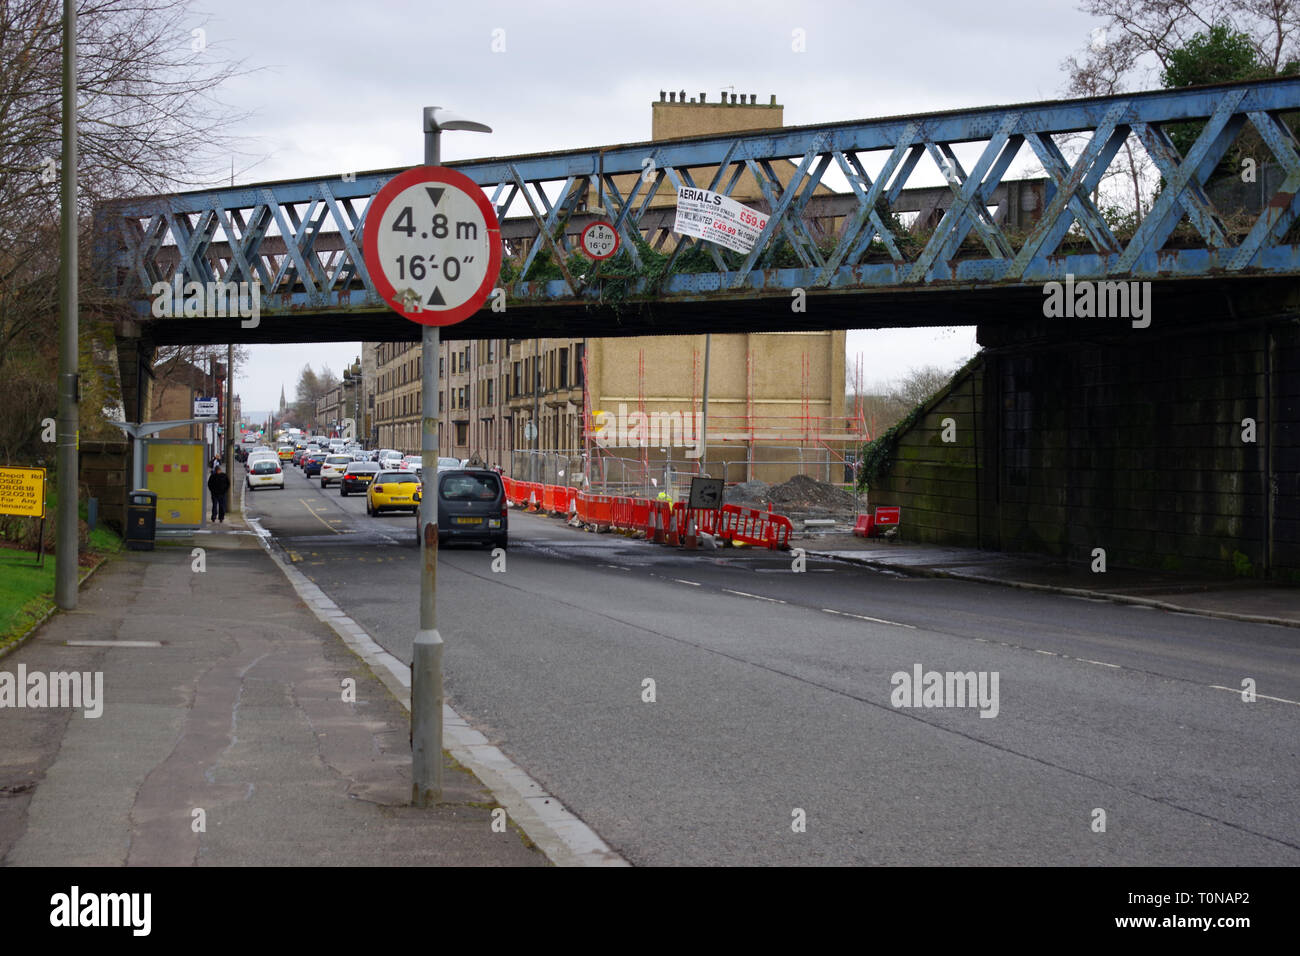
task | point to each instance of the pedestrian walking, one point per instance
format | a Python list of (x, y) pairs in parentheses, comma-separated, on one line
[(218, 486)]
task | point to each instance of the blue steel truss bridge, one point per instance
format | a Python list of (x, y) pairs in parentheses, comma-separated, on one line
[(849, 226)]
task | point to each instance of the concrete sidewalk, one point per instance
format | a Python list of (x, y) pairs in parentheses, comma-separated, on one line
[(227, 709), (1234, 599)]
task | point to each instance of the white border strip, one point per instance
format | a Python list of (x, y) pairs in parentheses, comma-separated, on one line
[(564, 838)]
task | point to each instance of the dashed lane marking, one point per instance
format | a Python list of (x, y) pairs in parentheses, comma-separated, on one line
[(757, 597), (863, 617)]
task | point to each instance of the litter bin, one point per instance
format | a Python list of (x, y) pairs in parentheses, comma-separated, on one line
[(141, 519)]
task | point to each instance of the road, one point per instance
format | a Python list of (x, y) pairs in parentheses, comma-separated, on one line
[(772, 700)]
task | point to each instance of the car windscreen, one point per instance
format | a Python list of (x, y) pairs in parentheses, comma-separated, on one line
[(469, 487)]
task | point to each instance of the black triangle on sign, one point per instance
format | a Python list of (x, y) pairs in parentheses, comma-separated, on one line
[(435, 297), (435, 193)]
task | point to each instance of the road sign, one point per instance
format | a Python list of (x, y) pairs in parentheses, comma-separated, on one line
[(706, 493), (22, 492), (432, 245), (205, 407), (599, 240)]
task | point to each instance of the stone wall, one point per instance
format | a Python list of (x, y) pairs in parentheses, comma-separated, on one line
[(1134, 445)]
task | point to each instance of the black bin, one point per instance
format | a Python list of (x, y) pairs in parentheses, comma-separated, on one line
[(141, 519)]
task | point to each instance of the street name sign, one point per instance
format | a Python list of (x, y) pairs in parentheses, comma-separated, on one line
[(432, 245)]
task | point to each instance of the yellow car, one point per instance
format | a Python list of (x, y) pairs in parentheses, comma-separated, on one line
[(393, 490), (285, 452)]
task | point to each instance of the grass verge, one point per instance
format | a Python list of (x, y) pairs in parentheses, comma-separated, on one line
[(27, 589)]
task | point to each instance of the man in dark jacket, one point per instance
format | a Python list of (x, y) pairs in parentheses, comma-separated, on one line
[(218, 485)]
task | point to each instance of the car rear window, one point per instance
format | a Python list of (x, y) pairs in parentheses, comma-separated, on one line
[(338, 460), (261, 467), (396, 476), (470, 487), (362, 466)]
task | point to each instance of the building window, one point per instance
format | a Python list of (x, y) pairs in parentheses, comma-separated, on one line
[(462, 433), (564, 368)]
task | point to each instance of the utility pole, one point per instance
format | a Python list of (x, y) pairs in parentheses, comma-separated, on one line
[(704, 418), (66, 553)]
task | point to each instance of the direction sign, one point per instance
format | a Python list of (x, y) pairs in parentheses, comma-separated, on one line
[(432, 245), (706, 493), (599, 240)]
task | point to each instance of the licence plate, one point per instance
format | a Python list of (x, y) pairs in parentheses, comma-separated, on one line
[(403, 498), (468, 520)]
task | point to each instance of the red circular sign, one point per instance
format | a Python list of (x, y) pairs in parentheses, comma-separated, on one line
[(432, 245), (600, 240)]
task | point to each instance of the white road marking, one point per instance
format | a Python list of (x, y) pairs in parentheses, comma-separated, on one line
[(863, 617), (1099, 663), (694, 584), (113, 643), (1237, 691), (757, 597)]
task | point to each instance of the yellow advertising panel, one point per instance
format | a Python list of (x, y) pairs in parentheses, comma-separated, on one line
[(174, 470), (22, 492)]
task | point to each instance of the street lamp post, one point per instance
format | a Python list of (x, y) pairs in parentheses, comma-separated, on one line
[(426, 654)]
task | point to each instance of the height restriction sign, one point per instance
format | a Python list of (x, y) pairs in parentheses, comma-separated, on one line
[(433, 245)]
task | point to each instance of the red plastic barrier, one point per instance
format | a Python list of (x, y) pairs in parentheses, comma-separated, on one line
[(640, 518), (863, 529)]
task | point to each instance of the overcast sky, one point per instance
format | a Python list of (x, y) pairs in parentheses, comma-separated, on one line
[(339, 86)]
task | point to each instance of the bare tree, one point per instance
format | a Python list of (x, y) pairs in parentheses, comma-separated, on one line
[(919, 384), (146, 81)]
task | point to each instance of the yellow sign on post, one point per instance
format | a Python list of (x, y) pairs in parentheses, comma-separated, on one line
[(22, 492)]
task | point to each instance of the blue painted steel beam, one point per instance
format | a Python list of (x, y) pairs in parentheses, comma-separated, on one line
[(314, 262)]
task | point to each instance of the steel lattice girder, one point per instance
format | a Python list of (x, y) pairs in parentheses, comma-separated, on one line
[(315, 261)]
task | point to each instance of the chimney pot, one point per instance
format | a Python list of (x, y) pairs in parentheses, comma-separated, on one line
[(683, 96), (672, 97), (773, 99), (722, 97), (733, 99), (663, 97), (753, 99), (702, 97)]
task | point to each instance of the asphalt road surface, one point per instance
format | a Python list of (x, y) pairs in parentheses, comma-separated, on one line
[(773, 736)]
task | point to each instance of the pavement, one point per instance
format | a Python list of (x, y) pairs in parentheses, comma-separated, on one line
[(226, 736), (1235, 599)]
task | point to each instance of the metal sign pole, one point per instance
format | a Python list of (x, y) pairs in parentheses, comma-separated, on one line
[(426, 653)]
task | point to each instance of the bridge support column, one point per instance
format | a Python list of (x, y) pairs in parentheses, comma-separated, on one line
[(135, 355)]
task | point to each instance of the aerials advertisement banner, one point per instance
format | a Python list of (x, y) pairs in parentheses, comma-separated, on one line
[(717, 218)]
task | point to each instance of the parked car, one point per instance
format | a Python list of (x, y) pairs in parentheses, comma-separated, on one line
[(264, 473), (357, 477), (471, 508), (333, 467), (392, 490)]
